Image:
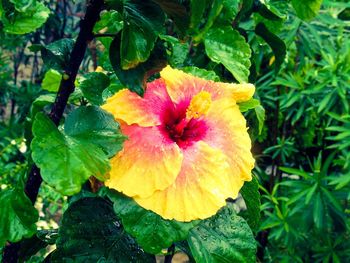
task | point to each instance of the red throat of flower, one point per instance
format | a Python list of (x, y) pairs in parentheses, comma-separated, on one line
[(183, 123)]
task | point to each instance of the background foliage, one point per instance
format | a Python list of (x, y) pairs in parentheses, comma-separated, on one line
[(297, 53)]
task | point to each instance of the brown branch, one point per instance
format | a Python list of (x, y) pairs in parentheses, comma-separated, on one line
[(94, 7)]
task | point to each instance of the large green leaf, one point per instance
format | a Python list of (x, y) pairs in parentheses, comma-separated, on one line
[(25, 22), (93, 85), (51, 81), (17, 216), (251, 196), (225, 45), (143, 23), (91, 124), (65, 163), (277, 45), (151, 231), (91, 232), (225, 237), (67, 159), (56, 54), (306, 9), (135, 79)]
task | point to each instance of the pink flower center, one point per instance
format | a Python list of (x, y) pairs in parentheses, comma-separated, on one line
[(182, 130)]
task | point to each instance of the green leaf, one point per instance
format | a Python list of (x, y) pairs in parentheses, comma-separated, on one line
[(17, 216), (226, 46), (1, 13), (93, 85), (113, 88), (307, 9), (277, 45), (51, 81), (179, 51), (68, 158), (273, 10), (65, 163), (213, 10), (177, 12), (56, 55), (21, 5), (248, 105), (91, 232), (295, 171), (151, 231), (340, 181), (143, 23), (40, 102), (339, 218), (91, 124), (345, 14), (260, 115), (318, 211), (30, 246), (28, 21), (201, 73), (135, 78), (230, 9), (246, 6), (225, 237), (198, 8), (251, 196), (110, 22)]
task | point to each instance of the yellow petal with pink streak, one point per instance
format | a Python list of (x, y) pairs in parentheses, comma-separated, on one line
[(181, 86), (199, 191), (133, 109), (147, 163), (227, 131)]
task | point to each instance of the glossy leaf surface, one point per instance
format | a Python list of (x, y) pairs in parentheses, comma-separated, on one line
[(91, 232), (151, 231), (225, 237)]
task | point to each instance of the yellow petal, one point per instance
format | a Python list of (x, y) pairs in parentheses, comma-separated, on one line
[(133, 109), (240, 92), (227, 131), (199, 191), (181, 85), (147, 163), (129, 107)]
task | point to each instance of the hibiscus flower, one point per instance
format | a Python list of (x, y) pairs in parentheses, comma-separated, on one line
[(188, 148)]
